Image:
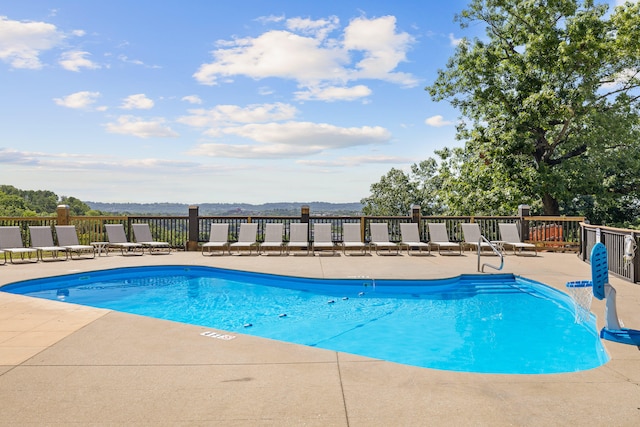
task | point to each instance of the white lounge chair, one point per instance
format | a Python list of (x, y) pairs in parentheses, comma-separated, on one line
[(511, 238), (272, 239), (473, 237), (247, 237), (218, 239), (322, 239), (352, 238), (118, 239), (142, 234), (42, 241), (11, 243), (439, 238), (298, 237), (68, 238), (411, 238), (380, 239)]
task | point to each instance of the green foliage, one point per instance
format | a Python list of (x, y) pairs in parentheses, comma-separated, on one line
[(16, 202), (76, 206), (550, 105), (397, 191)]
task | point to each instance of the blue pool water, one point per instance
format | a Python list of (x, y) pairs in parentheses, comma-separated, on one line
[(489, 323)]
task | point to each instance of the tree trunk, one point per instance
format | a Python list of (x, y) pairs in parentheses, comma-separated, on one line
[(550, 205)]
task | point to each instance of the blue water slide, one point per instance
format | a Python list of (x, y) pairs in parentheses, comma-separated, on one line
[(601, 290), (599, 269)]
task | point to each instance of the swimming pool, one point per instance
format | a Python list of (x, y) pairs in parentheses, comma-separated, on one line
[(475, 323)]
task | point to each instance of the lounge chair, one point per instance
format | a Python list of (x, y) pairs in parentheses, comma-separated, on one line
[(322, 239), (4, 257), (42, 241), (411, 238), (247, 237), (142, 233), (473, 237), (11, 243), (511, 238), (298, 237), (380, 239), (68, 238), (118, 240), (218, 239), (352, 238), (439, 238), (272, 239)]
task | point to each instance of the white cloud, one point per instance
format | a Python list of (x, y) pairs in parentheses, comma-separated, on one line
[(292, 139), (128, 60), (129, 125), (192, 99), (334, 93), (225, 115), (622, 79), (312, 134), (274, 54), (78, 100), (453, 40), (22, 42), (437, 121), (137, 102), (74, 60), (306, 54), (353, 161), (66, 161), (270, 19), (382, 47), (319, 29)]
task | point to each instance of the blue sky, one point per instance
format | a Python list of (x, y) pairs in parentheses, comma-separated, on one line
[(218, 101)]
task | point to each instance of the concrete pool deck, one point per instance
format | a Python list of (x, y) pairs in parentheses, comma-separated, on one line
[(64, 364)]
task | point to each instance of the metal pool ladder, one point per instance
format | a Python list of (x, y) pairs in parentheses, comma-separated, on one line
[(494, 249)]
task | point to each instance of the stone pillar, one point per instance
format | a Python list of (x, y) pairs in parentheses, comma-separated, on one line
[(194, 229), (523, 211), (64, 215)]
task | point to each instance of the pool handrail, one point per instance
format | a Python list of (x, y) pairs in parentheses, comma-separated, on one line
[(494, 249)]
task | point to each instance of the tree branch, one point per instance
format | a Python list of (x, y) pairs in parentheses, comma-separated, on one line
[(571, 154)]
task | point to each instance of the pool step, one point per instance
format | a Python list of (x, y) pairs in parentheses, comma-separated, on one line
[(491, 287)]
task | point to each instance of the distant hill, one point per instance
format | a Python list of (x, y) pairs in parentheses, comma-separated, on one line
[(228, 209)]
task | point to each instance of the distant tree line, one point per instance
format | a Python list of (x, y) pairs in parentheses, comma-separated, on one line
[(228, 209), (16, 202)]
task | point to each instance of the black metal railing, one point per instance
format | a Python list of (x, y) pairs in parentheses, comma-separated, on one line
[(621, 264), (187, 232)]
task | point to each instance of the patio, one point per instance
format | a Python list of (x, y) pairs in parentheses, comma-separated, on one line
[(63, 364)]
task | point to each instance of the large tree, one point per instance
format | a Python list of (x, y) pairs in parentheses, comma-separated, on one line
[(549, 100)]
